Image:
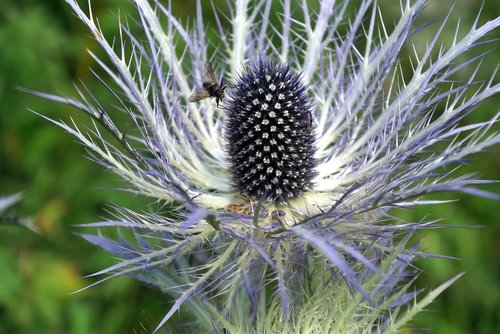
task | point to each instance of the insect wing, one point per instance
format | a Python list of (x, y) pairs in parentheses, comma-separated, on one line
[(209, 74), (199, 94)]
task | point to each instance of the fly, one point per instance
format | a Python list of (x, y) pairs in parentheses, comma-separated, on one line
[(210, 87)]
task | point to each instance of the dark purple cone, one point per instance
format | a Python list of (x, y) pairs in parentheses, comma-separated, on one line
[(269, 133)]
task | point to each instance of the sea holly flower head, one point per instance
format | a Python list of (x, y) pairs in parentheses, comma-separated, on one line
[(269, 135), (294, 173)]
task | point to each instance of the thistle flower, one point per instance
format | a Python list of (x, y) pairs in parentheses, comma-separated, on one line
[(319, 136), (270, 143)]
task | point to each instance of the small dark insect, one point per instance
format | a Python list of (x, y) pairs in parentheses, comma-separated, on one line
[(210, 87)]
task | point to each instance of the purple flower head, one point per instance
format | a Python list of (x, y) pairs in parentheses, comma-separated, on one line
[(296, 171), (269, 133)]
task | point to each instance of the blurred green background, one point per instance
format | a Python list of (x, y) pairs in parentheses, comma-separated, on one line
[(42, 47)]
